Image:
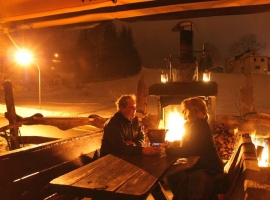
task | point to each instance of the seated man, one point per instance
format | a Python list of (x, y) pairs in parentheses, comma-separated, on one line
[(123, 133)]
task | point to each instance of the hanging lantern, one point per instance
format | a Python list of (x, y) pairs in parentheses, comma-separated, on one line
[(206, 76), (164, 77)]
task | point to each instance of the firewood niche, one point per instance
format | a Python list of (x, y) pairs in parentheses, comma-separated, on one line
[(228, 127)]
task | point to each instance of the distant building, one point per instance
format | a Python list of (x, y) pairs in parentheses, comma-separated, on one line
[(250, 62)]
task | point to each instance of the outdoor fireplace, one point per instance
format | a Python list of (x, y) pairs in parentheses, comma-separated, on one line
[(169, 97)]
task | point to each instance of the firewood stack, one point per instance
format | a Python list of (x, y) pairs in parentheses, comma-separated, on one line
[(224, 141)]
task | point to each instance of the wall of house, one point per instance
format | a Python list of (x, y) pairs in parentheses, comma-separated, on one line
[(254, 64), (237, 65), (257, 64)]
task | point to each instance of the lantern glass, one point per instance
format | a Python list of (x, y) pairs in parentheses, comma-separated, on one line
[(206, 76), (164, 77)]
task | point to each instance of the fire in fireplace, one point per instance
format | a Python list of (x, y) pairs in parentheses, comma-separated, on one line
[(169, 97), (262, 149), (173, 122)]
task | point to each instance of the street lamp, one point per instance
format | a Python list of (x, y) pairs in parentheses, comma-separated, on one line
[(24, 58)]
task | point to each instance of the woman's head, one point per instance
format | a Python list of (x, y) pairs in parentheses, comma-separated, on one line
[(194, 108)]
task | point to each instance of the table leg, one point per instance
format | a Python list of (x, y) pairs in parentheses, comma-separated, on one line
[(158, 193)]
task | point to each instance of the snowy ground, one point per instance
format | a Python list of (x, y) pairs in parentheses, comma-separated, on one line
[(99, 98), (94, 98)]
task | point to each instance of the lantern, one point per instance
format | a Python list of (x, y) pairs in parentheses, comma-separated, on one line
[(164, 77), (206, 76)]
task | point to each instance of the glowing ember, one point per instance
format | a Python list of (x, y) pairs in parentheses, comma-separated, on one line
[(261, 146)]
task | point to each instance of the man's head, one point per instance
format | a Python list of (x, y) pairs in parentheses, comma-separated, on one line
[(126, 104)]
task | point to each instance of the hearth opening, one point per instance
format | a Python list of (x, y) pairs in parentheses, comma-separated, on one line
[(169, 97)]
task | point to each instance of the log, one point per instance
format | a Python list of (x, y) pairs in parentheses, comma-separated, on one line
[(63, 123)]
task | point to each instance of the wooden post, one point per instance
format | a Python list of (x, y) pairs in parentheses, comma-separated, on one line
[(11, 115), (142, 93)]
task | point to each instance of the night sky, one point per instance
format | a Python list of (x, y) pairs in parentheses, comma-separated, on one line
[(156, 40)]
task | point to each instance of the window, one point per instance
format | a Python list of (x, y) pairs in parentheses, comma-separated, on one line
[(257, 67), (254, 59), (262, 59)]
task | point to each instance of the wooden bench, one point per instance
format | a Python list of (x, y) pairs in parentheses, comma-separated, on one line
[(236, 168), (25, 173), (251, 182)]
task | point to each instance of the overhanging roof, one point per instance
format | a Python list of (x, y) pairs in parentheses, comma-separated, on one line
[(33, 14)]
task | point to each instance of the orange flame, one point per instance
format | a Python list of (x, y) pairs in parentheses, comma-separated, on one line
[(260, 143), (174, 123)]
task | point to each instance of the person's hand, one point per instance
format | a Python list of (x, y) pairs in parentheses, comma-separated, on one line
[(150, 151), (130, 143)]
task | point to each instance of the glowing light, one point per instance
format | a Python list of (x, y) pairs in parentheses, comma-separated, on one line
[(164, 77), (206, 76), (262, 149), (23, 57), (26, 177), (175, 125)]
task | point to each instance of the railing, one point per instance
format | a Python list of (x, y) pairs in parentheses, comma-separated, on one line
[(26, 172)]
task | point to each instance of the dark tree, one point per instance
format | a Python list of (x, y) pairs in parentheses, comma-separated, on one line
[(86, 53), (131, 60), (208, 61), (103, 53), (247, 42), (214, 53), (109, 52)]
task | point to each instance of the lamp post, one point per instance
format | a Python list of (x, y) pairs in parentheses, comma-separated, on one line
[(24, 58), (39, 86)]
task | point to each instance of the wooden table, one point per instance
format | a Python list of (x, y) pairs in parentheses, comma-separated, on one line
[(112, 177)]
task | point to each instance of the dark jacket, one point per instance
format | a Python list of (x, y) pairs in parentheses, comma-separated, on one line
[(198, 142), (119, 129)]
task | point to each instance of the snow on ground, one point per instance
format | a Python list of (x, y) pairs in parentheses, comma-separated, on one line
[(94, 98), (99, 97)]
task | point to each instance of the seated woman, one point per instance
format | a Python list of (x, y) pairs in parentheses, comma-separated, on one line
[(197, 141)]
